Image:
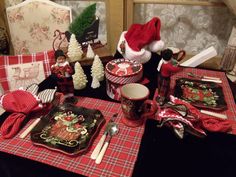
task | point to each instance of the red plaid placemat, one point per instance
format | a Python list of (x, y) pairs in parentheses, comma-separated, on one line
[(231, 111), (46, 57), (119, 159)]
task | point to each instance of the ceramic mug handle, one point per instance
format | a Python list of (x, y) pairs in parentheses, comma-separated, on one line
[(150, 108), (180, 55)]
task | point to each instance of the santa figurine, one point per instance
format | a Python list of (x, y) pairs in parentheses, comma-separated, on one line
[(165, 68), (63, 74), (140, 40)]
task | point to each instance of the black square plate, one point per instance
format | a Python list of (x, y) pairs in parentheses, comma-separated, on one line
[(200, 94), (68, 129)]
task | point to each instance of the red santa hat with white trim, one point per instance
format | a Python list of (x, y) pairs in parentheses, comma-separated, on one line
[(140, 40)]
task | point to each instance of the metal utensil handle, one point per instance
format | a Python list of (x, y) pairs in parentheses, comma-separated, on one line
[(97, 149), (213, 78), (210, 80), (102, 153), (101, 141)]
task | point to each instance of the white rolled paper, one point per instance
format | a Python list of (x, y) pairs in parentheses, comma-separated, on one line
[(200, 58)]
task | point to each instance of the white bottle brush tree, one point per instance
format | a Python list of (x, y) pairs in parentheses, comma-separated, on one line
[(97, 69), (90, 53), (97, 72), (75, 51), (95, 83), (79, 78)]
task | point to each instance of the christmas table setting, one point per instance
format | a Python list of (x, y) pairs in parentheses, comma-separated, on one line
[(125, 154), (119, 99), (118, 160), (120, 156), (194, 151), (223, 102)]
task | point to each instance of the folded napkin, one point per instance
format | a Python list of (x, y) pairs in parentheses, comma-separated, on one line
[(46, 96), (20, 103), (209, 123), (180, 124)]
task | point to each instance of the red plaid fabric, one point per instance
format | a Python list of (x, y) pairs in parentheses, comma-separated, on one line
[(119, 159), (228, 96), (163, 86), (65, 85), (47, 57)]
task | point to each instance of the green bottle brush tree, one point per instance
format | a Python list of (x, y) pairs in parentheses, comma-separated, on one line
[(83, 21)]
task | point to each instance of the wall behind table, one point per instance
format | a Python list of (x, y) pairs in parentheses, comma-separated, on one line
[(193, 28)]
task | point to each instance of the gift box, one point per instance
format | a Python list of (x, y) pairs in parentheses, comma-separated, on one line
[(119, 72)]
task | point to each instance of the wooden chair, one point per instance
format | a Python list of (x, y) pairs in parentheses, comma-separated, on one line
[(32, 24)]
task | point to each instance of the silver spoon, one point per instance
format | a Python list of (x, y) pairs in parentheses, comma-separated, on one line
[(112, 131), (98, 148)]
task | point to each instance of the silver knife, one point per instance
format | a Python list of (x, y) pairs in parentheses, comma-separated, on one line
[(98, 148)]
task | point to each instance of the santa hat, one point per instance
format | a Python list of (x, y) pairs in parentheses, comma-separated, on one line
[(140, 40)]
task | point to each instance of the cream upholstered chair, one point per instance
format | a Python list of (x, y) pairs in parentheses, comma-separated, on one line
[(32, 24)]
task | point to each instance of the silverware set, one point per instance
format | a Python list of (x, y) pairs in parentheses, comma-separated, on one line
[(100, 149), (205, 78)]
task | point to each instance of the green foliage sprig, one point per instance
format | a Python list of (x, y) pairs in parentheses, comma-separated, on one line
[(84, 20)]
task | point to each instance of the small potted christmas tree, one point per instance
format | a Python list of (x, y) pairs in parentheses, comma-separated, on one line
[(85, 26)]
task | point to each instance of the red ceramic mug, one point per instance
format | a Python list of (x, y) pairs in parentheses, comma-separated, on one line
[(135, 104), (178, 54)]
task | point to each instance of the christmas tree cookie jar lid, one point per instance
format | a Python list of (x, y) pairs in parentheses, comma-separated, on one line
[(119, 72)]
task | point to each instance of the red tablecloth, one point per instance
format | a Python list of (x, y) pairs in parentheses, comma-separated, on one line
[(119, 159), (231, 111)]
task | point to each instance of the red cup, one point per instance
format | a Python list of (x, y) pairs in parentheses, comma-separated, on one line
[(135, 104)]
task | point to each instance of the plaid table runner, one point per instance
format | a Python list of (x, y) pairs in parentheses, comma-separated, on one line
[(231, 111), (119, 159)]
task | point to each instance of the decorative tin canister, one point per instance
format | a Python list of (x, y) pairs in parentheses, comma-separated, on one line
[(119, 72)]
